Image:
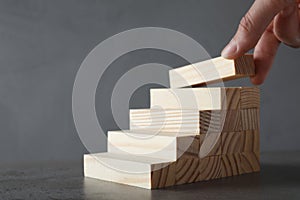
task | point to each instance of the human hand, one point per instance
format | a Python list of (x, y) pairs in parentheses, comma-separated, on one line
[(264, 27)]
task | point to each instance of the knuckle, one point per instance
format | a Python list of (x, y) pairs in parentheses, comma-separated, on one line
[(246, 24)]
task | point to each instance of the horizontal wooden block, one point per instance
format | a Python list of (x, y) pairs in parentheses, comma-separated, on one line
[(194, 121), (216, 69), (158, 145), (231, 142), (217, 98), (231, 164), (210, 168), (136, 171), (250, 162), (250, 141)]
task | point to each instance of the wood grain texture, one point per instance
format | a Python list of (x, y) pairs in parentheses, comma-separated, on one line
[(210, 168), (220, 121), (187, 170), (250, 141), (214, 70), (250, 162), (218, 98), (231, 164), (250, 119), (250, 98), (231, 142), (210, 145), (162, 175), (194, 121)]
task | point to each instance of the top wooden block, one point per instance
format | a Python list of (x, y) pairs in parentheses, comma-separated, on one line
[(214, 70)]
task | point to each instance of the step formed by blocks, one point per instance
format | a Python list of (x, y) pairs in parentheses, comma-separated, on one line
[(187, 135), (216, 69), (221, 98)]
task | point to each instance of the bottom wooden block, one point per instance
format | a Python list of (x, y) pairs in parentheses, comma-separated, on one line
[(250, 162), (136, 171), (231, 165), (154, 173)]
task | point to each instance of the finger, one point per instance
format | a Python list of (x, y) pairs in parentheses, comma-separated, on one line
[(264, 55), (287, 26), (253, 25)]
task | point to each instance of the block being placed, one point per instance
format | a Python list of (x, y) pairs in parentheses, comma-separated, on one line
[(156, 144), (214, 70), (214, 98)]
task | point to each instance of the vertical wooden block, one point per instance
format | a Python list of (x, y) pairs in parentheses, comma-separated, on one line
[(232, 97), (163, 175), (250, 162), (187, 170), (231, 142), (188, 146), (250, 97), (210, 144), (250, 141), (250, 119), (210, 168), (231, 164)]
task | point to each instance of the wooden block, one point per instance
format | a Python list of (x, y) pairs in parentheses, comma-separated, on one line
[(187, 170), (250, 98), (217, 98), (157, 145), (250, 141), (214, 70), (220, 121), (187, 122), (250, 119), (163, 175), (210, 168), (136, 171), (231, 142), (210, 144), (250, 162), (231, 164)]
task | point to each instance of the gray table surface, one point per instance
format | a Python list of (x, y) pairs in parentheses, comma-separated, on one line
[(278, 179)]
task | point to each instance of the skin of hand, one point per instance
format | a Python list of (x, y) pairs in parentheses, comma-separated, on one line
[(267, 24)]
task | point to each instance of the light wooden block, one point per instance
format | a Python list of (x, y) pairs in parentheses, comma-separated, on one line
[(231, 142), (158, 145), (215, 98), (136, 171), (210, 168), (250, 162), (214, 70), (231, 164), (186, 122)]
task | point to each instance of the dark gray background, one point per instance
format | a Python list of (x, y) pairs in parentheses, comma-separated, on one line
[(42, 44)]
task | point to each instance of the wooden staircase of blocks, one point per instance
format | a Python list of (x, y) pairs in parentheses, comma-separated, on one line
[(188, 134)]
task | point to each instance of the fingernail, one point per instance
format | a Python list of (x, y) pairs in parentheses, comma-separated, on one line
[(229, 50)]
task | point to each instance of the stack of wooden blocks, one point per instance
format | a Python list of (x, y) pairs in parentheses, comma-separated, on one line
[(188, 134)]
